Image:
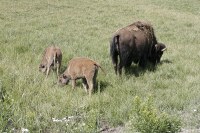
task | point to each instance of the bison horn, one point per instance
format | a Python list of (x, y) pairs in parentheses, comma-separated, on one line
[(164, 49)]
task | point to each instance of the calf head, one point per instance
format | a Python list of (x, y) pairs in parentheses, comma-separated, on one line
[(159, 48), (63, 79), (42, 68)]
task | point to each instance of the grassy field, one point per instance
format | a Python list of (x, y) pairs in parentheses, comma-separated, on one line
[(83, 28)]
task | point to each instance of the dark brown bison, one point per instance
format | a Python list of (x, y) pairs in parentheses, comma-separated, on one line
[(134, 43)]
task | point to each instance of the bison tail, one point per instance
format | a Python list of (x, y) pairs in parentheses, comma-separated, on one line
[(102, 70), (115, 51), (114, 45), (114, 48), (98, 66)]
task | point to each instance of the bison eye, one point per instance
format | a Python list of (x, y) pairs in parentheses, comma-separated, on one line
[(64, 76), (42, 66)]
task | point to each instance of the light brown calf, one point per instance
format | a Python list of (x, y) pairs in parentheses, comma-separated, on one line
[(81, 68), (52, 57)]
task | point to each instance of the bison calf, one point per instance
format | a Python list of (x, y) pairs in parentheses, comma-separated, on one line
[(52, 57), (81, 68)]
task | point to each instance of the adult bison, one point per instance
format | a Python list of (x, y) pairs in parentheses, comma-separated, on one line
[(135, 43)]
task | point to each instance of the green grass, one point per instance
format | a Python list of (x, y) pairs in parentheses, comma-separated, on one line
[(83, 28)]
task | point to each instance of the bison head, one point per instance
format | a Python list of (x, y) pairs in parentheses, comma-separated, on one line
[(42, 68), (160, 48), (63, 79), (157, 52)]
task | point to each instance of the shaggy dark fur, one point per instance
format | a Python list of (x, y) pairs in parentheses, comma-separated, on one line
[(134, 43)]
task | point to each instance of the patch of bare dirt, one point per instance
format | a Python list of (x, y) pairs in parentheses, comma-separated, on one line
[(190, 131)]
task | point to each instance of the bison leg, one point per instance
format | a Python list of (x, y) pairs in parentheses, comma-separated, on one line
[(143, 61), (48, 69), (91, 86), (125, 65), (57, 68), (123, 62), (91, 80), (115, 62), (73, 83), (115, 67), (120, 67), (85, 85)]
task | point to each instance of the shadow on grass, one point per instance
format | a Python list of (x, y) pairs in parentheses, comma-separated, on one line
[(165, 61), (137, 71), (99, 85)]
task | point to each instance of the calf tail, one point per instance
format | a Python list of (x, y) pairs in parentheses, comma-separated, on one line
[(97, 65)]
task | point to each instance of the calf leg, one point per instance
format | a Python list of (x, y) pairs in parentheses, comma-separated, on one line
[(85, 85), (91, 87), (91, 80), (57, 68), (73, 83), (48, 69)]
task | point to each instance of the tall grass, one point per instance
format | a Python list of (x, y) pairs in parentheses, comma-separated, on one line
[(83, 28)]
